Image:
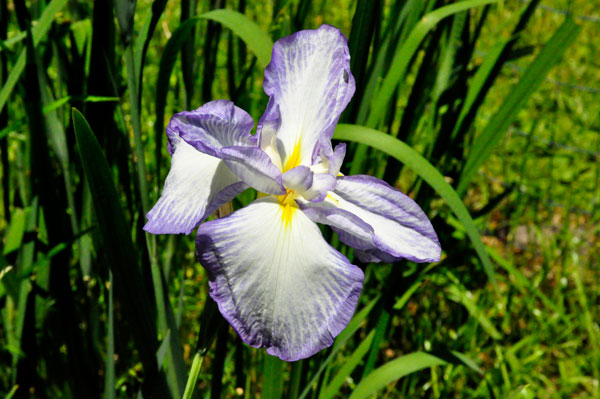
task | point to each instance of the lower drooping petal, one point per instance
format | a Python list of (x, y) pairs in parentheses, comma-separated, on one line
[(276, 280), (197, 184)]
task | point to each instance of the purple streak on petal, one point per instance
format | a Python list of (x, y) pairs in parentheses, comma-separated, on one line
[(309, 78), (214, 125), (293, 309), (254, 167), (402, 229)]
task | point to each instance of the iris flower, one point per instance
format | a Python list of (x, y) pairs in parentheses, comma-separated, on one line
[(274, 277)]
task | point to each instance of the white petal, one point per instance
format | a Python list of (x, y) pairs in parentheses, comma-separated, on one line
[(309, 80), (197, 184), (276, 280)]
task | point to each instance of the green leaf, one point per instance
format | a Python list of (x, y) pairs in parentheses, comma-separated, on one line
[(39, 31), (461, 295), (349, 365), (120, 254), (247, 30), (533, 76), (340, 341), (272, 387), (15, 233), (394, 370), (427, 172), (405, 53)]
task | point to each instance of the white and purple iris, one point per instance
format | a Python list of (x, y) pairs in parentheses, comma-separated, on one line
[(275, 279)]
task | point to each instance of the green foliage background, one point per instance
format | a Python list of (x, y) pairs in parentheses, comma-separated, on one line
[(487, 113)]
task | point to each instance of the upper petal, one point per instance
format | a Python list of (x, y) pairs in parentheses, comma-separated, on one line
[(197, 184), (401, 230), (310, 84), (214, 125), (276, 280)]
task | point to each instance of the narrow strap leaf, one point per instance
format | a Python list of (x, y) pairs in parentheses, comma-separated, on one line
[(533, 76)]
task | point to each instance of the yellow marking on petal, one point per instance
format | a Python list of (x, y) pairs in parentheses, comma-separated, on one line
[(294, 159), (288, 205), (332, 199), (287, 211), (261, 195)]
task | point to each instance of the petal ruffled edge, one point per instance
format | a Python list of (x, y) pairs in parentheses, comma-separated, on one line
[(310, 84), (216, 124), (280, 285)]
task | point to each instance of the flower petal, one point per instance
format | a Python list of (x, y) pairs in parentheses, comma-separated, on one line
[(309, 80), (329, 161), (399, 228), (214, 125), (298, 179), (254, 167), (197, 184), (276, 280)]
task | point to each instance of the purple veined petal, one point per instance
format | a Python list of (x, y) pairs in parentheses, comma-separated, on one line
[(254, 167), (197, 184), (214, 125), (276, 280), (299, 179), (401, 228), (329, 161), (361, 233), (309, 79)]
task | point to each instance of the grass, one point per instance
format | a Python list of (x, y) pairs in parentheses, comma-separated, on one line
[(92, 307)]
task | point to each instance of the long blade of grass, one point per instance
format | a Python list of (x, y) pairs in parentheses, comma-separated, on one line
[(406, 52), (489, 70), (349, 365), (120, 254), (109, 372), (272, 387), (39, 31), (461, 295), (211, 322), (247, 30), (394, 370), (427, 172), (340, 341), (533, 76), (525, 284), (380, 102)]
